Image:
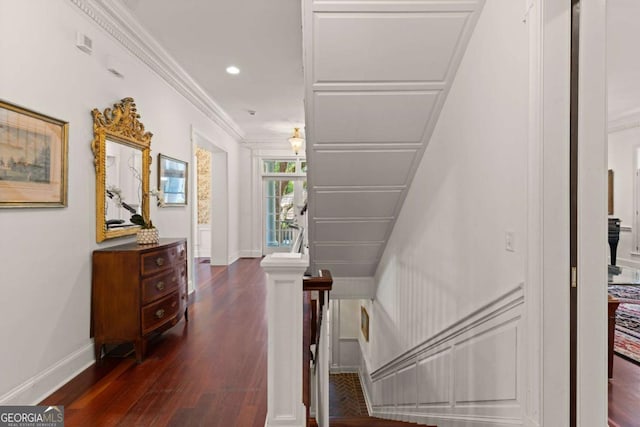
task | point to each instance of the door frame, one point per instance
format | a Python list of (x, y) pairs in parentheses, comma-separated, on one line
[(219, 208), (548, 277), (592, 243)]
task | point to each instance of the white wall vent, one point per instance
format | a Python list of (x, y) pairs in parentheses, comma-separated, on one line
[(84, 43)]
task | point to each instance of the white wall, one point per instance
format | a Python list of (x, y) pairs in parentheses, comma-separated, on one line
[(345, 322), (622, 146), (46, 253), (446, 259)]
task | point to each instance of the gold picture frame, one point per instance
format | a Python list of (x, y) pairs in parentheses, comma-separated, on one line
[(364, 322), (33, 159), (120, 128)]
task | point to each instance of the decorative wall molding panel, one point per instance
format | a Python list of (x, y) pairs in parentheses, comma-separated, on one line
[(116, 20), (469, 374), (377, 75)]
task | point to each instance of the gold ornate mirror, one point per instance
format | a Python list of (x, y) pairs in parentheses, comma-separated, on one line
[(121, 150)]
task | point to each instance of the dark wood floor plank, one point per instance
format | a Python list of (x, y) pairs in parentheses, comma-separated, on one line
[(209, 371), (624, 394)]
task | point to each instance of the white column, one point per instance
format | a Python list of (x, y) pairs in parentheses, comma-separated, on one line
[(284, 310)]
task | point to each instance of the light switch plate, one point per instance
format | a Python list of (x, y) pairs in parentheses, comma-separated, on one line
[(509, 241)]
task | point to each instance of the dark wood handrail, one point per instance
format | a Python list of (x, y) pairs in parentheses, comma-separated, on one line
[(322, 282), (312, 323)]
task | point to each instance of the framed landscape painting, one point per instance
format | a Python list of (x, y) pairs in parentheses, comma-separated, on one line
[(33, 159), (364, 322)]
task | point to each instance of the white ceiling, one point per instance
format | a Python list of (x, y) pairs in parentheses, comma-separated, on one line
[(623, 57), (262, 38), (376, 77), (377, 74)]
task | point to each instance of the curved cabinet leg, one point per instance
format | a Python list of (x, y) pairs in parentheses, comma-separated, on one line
[(140, 347)]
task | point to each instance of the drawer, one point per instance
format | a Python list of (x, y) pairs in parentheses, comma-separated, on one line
[(161, 284), (160, 312), (161, 259)]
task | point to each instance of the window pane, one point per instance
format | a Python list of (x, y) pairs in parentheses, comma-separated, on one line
[(279, 166)]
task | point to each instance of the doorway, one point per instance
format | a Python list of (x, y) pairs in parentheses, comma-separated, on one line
[(211, 240), (623, 158)]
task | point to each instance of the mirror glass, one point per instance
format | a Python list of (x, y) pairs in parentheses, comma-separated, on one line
[(121, 148), (123, 193)]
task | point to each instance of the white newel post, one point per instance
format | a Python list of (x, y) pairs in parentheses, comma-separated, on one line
[(284, 310)]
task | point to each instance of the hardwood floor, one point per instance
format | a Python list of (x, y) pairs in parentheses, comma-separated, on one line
[(211, 371), (624, 394)]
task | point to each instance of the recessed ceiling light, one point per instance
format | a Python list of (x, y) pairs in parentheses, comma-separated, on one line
[(233, 70)]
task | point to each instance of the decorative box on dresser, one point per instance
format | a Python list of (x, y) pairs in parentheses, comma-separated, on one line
[(137, 291)]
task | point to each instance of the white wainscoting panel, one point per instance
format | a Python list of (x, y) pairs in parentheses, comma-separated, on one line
[(407, 386), (470, 374), (486, 366), (433, 373)]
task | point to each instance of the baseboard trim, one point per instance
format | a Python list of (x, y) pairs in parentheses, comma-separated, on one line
[(37, 388), (365, 390), (233, 258), (450, 421), (252, 253)]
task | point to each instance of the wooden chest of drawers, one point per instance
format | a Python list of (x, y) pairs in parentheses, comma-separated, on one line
[(137, 290)]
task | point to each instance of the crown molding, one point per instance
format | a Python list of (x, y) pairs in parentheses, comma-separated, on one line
[(113, 17), (628, 120)]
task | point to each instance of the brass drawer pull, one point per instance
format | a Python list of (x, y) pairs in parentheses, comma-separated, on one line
[(160, 286), (173, 279), (160, 262), (160, 314)]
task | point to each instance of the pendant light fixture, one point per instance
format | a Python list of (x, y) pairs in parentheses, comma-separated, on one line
[(296, 141)]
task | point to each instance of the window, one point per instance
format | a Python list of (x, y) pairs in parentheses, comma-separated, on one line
[(284, 192)]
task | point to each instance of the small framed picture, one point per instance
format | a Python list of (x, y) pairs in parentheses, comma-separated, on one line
[(364, 322), (33, 159), (173, 179)]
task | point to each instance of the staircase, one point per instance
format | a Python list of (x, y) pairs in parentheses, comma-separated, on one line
[(348, 407)]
